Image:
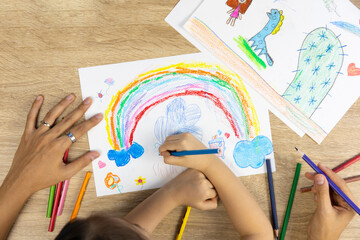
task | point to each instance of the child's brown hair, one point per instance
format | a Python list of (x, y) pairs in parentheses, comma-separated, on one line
[(101, 227)]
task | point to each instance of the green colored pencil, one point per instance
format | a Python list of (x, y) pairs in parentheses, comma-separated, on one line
[(51, 201), (290, 202)]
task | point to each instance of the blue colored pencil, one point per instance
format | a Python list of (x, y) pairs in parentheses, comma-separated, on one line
[(331, 183), (272, 198), (195, 152)]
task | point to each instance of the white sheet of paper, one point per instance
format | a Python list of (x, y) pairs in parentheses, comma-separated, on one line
[(178, 17), (159, 104), (325, 94)]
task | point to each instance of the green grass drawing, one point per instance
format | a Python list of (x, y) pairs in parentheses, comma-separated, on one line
[(244, 46)]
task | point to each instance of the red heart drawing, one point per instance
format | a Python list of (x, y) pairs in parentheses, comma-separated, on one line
[(352, 70), (227, 135)]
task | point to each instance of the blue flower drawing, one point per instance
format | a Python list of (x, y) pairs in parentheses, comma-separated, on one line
[(252, 153), (179, 119)]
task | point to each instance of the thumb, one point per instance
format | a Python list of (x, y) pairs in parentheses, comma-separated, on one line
[(210, 204), (75, 166), (323, 194)]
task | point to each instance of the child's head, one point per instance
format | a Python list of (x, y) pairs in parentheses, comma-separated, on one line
[(101, 227)]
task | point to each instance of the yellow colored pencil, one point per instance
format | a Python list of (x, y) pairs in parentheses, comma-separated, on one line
[(179, 236), (81, 194)]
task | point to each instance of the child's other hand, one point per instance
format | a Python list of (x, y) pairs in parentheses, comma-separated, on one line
[(185, 142), (332, 214), (191, 188)]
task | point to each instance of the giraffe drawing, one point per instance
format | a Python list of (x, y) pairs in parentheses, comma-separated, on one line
[(272, 27)]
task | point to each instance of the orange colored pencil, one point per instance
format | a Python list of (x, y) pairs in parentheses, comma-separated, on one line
[(81, 194)]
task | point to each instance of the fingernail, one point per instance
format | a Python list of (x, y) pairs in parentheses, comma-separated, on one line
[(319, 180), (99, 116), (87, 101), (94, 155), (315, 198), (322, 165), (38, 98), (69, 97)]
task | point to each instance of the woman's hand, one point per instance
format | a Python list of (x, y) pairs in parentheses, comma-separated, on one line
[(184, 142), (38, 160), (332, 214), (191, 188)]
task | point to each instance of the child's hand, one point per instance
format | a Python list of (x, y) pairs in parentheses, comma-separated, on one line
[(333, 214), (184, 142), (191, 188)]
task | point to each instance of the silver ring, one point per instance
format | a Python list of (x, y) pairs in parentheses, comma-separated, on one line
[(71, 136), (45, 123)]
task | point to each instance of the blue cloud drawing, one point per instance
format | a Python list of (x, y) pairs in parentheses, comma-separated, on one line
[(252, 153), (179, 119), (122, 157)]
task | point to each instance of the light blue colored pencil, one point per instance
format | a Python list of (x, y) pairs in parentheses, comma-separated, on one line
[(195, 152)]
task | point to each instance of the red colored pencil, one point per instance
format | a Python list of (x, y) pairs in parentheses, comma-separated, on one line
[(347, 180), (346, 164), (57, 197), (55, 207), (338, 169)]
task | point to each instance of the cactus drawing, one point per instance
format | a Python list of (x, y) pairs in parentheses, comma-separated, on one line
[(320, 61)]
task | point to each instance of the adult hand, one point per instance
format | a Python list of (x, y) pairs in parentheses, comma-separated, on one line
[(38, 160), (191, 188), (184, 142), (332, 214)]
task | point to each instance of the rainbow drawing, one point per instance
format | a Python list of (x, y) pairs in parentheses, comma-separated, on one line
[(212, 82)]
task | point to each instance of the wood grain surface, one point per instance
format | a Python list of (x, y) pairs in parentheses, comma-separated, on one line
[(42, 45)]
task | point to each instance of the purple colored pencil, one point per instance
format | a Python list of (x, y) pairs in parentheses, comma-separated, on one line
[(331, 183)]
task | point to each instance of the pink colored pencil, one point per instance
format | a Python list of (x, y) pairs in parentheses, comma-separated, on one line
[(65, 187), (63, 195)]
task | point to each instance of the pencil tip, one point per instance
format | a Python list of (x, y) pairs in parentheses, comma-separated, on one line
[(296, 149)]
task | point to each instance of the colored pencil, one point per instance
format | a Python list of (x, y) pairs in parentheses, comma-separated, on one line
[(195, 152), (55, 206), (50, 201), (346, 164), (290, 202), (331, 183), (272, 197), (65, 187), (336, 170), (81, 194), (182, 228), (347, 180), (52, 191)]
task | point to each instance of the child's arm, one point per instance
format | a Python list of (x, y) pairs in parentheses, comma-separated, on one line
[(332, 214), (190, 188), (37, 163), (245, 214)]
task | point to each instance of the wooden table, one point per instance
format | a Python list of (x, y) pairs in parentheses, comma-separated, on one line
[(42, 45)]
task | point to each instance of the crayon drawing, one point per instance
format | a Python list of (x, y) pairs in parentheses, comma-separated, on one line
[(353, 70), (179, 119), (186, 95), (268, 63), (331, 6), (112, 181), (348, 27), (320, 60), (238, 8)]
